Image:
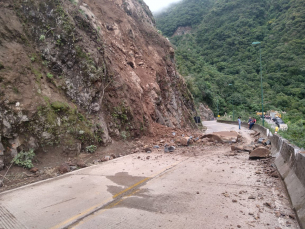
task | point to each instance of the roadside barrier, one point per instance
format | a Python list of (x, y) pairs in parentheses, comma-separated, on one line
[(290, 163)]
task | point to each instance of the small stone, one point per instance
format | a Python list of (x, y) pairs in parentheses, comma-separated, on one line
[(1, 183), (171, 148), (73, 167), (156, 147), (34, 170), (234, 201), (146, 149), (81, 164), (275, 175), (268, 205), (252, 197), (238, 226), (291, 216), (64, 168), (106, 158), (197, 192)]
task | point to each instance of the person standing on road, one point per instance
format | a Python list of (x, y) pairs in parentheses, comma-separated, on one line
[(252, 123), (239, 121), (249, 122)]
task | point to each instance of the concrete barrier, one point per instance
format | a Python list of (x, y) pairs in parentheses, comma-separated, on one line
[(290, 163)]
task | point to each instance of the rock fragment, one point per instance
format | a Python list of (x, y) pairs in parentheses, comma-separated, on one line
[(64, 168), (259, 152)]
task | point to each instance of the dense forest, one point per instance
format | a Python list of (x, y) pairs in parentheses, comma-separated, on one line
[(222, 67)]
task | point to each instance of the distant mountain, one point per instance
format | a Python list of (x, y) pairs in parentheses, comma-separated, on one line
[(219, 61)]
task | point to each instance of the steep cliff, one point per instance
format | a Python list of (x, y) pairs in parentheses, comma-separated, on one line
[(80, 73)]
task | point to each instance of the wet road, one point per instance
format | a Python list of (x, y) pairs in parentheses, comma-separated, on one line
[(200, 188)]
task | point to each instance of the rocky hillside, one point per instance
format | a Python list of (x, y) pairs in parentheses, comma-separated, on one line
[(79, 73)]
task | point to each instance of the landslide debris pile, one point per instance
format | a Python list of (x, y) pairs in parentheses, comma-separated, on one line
[(77, 74)]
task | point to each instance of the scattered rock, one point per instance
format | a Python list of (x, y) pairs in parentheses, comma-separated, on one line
[(147, 148), (171, 148), (275, 174), (260, 140), (183, 141), (255, 134), (252, 197), (268, 142), (235, 148), (248, 148), (225, 194), (197, 192), (260, 152), (156, 147), (73, 167), (268, 205), (234, 201), (106, 158), (64, 168), (81, 164), (34, 170)]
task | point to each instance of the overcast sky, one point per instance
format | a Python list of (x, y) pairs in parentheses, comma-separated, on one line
[(157, 5)]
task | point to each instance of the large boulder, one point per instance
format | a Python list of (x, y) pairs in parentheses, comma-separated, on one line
[(183, 141), (212, 138), (260, 152)]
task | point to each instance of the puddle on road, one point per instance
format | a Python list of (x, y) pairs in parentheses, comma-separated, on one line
[(124, 180), (167, 203)]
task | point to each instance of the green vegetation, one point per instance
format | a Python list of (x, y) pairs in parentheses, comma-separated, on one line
[(42, 37), (24, 159), (59, 106), (222, 66), (49, 75), (91, 148)]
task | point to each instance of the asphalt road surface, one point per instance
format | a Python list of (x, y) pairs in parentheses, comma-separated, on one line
[(200, 188)]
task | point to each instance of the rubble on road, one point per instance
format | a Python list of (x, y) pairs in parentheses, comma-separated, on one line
[(224, 136)]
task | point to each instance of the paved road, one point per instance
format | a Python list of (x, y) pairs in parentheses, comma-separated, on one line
[(201, 188)]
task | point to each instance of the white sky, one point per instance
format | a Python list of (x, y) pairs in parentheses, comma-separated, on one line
[(157, 5)]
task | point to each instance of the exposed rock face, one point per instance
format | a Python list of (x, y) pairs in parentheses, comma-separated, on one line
[(205, 112), (183, 30), (76, 73)]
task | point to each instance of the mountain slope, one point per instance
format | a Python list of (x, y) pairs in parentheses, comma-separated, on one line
[(223, 64), (75, 74)]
